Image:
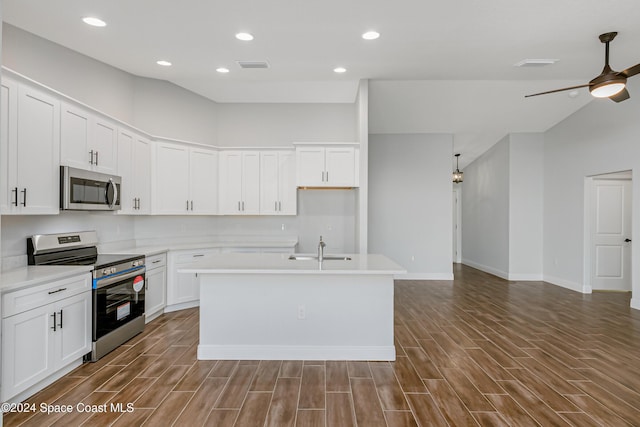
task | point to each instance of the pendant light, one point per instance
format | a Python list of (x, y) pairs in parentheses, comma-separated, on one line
[(457, 175)]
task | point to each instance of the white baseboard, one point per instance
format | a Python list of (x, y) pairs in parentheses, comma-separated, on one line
[(486, 269), (295, 352), (424, 276), (574, 286), (635, 303), (525, 277), (181, 306)]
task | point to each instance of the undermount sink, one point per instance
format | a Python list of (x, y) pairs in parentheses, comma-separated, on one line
[(326, 258)]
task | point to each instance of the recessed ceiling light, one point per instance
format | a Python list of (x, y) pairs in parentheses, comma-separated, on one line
[(164, 63), (371, 35), (244, 37), (94, 22), (222, 70), (339, 70)]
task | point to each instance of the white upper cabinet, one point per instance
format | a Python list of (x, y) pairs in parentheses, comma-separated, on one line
[(88, 141), (134, 166), (239, 185), (203, 181), (29, 150), (278, 193), (185, 179), (333, 165)]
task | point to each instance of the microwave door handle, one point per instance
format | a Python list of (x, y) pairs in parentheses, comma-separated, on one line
[(115, 193)]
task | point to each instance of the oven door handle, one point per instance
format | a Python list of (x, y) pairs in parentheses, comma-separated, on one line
[(101, 283)]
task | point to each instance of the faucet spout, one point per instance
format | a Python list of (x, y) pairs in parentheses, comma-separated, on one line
[(321, 246)]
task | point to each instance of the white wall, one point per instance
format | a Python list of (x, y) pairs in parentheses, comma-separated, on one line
[(410, 199), (600, 138), (94, 83), (281, 124), (164, 109), (485, 211), (526, 165)]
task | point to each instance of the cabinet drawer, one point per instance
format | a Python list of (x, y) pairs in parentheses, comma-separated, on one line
[(195, 256), (156, 261), (37, 296)]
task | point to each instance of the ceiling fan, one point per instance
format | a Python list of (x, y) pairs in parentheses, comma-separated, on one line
[(609, 84)]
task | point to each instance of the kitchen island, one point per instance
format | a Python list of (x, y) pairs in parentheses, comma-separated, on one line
[(266, 306)]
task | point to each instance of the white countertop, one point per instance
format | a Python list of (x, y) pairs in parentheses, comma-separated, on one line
[(235, 242), (273, 263), (19, 278)]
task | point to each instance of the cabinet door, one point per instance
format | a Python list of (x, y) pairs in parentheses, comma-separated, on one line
[(155, 285), (142, 174), (310, 170), (340, 166), (230, 183), (38, 152), (269, 196), (104, 144), (73, 325), (250, 183), (27, 350), (287, 190), (8, 146), (75, 127), (203, 189), (171, 191), (125, 171)]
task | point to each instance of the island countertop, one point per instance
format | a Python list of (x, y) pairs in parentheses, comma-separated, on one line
[(276, 263)]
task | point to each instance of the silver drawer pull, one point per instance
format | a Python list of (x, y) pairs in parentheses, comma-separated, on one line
[(58, 290), (156, 261), (196, 256)]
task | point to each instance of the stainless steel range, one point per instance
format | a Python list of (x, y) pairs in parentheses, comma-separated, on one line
[(118, 284)]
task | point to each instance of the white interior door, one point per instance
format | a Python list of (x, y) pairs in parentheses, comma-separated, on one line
[(611, 234)]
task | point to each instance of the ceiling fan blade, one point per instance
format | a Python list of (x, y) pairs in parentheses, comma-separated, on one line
[(620, 96), (558, 90), (631, 71)]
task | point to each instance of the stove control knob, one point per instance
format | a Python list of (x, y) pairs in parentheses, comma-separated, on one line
[(113, 270), (105, 272)]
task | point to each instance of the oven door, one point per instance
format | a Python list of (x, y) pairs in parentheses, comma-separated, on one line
[(117, 300)]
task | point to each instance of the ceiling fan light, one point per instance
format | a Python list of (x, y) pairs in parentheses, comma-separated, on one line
[(607, 89)]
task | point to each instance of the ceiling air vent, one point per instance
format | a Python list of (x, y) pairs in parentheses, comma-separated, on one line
[(253, 64), (535, 62)]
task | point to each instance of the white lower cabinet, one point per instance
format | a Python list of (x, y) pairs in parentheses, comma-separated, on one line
[(46, 328), (155, 286), (183, 290)]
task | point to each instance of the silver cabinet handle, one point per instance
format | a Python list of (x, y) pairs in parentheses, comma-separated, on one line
[(146, 284), (91, 154), (15, 200), (156, 261), (24, 197), (60, 324), (54, 321), (238, 206), (198, 255), (192, 205), (322, 176), (243, 206), (275, 206), (57, 290), (187, 205), (327, 176), (96, 158), (280, 206)]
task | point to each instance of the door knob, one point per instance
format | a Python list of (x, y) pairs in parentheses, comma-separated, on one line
[(627, 240)]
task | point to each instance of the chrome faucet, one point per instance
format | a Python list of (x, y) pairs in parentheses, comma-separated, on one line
[(321, 246)]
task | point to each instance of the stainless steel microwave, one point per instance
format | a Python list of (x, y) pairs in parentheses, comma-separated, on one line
[(83, 190)]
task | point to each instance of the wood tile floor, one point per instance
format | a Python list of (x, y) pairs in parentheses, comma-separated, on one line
[(475, 351)]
